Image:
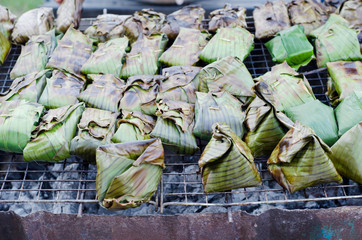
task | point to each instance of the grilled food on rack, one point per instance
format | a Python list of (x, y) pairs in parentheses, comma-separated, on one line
[(227, 17), (68, 14), (7, 20)]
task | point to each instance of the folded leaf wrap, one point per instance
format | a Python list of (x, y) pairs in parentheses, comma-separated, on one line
[(227, 17), (68, 14)]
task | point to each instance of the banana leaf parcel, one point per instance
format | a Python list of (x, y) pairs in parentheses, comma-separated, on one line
[(227, 162), (61, 89), (128, 174), (227, 17), (265, 127), (186, 48), (227, 74), (68, 14), (5, 46), (351, 10), (6, 15), (105, 92), (144, 55), (349, 112), (7, 20), (318, 117), (96, 128), (187, 17), (51, 139), (291, 45), (335, 41), (346, 77), (347, 154), (71, 53), (174, 126), (301, 160), (140, 94), (270, 19), (31, 23), (179, 84), (236, 42), (17, 120), (217, 107), (134, 126), (107, 58)]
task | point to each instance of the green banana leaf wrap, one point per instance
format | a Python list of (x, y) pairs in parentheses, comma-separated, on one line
[(227, 162), (270, 19), (144, 55), (68, 14), (347, 154), (211, 108), (107, 58), (227, 74), (284, 89), (71, 53), (187, 17), (346, 77), (134, 126), (96, 128), (104, 92), (349, 112), (318, 117), (335, 41), (34, 55), (50, 141), (236, 42), (301, 160), (5, 46), (128, 174), (186, 48), (265, 126), (174, 126), (7, 20), (227, 17), (179, 84), (291, 45), (61, 89), (28, 87), (17, 120), (140, 94)]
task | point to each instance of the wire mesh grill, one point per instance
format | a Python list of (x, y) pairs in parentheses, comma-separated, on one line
[(72, 182)]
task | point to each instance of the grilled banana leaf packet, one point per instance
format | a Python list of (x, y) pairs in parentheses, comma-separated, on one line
[(186, 48), (68, 14), (128, 174), (270, 19), (107, 58), (96, 128), (6, 15), (5, 46), (217, 107), (174, 126), (7, 20), (351, 10), (144, 55), (17, 121), (61, 89), (301, 160), (227, 74), (335, 41), (347, 154), (187, 17), (236, 42), (51, 139), (291, 45), (227, 162), (134, 126), (227, 17), (104, 92), (31, 23), (179, 84)]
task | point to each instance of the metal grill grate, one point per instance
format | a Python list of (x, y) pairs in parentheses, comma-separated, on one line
[(69, 186)]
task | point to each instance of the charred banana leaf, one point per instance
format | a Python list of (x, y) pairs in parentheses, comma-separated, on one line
[(351, 10), (51, 139), (96, 128), (174, 126), (227, 17), (236, 42), (134, 126), (227, 162), (128, 174), (6, 15), (301, 160), (17, 120), (7, 20), (270, 19), (186, 48), (68, 14)]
